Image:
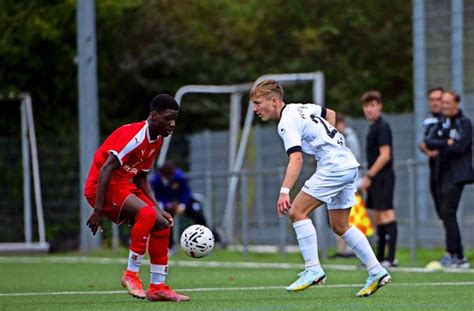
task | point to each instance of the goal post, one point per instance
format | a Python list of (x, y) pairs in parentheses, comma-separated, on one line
[(236, 155), (29, 160)]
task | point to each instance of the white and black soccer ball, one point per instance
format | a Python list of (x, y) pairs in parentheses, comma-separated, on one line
[(197, 241)]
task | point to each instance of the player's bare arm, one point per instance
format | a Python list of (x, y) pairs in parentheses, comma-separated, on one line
[(331, 117), (95, 220), (293, 170), (141, 180), (380, 162)]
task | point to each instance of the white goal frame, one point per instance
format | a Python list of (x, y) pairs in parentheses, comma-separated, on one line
[(29, 159), (236, 156)]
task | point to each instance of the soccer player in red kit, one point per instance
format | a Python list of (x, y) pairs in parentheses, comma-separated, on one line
[(117, 188)]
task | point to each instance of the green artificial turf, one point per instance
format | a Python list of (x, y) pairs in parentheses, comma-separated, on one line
[(59, 286)]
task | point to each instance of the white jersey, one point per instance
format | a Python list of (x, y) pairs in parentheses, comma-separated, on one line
[(302, 127)]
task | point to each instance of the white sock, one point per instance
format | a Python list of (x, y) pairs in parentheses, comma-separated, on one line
[(308, 242), (134, 261), (361, 247), (158, 273)]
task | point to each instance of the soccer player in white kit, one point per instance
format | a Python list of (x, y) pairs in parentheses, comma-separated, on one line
[(309, 128)]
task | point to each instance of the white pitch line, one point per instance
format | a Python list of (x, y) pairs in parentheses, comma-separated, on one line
[(212, 264), (219, 289)]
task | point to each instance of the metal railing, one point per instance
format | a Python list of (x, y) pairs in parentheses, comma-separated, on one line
[(248, 183)]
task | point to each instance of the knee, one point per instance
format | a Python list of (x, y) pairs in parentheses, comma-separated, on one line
[(295, 215), (446, 214), (339, 228), (146, 214)]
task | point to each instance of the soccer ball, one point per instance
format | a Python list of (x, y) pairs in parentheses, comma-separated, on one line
[(197, 241)]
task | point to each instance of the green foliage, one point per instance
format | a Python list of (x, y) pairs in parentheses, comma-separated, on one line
[(147, 47)]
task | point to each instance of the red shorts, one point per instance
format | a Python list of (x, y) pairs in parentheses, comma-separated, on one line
[(116, 196)]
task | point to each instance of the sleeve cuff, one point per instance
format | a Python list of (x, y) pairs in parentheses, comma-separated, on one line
[(323, 112), (115, 153), (293, 149)]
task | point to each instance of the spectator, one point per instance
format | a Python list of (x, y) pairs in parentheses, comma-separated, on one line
[(453, 141), (379, 182), (174, 195), (430, 125)]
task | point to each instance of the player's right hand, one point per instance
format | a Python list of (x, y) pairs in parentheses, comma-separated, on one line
[(283, 204), (95, 221)]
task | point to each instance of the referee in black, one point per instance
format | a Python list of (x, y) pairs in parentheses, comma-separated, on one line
[(453, 140), (379, 183), (430, 126)]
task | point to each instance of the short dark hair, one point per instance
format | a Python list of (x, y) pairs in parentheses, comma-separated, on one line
[(457, 97), (434, 89), (162, 102), (369, 96)]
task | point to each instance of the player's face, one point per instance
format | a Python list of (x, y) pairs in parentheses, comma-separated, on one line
[(264, 107), (163, 123), (449, 106), (434, 100), (372, 110)]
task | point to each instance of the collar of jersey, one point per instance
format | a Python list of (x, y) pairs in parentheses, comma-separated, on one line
[(148, 133), (281, 111)]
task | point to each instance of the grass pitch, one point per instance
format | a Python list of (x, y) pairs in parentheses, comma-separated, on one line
[(224, 281)]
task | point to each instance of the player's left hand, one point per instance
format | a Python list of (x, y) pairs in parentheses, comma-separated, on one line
[(283, 204), (168, 217)]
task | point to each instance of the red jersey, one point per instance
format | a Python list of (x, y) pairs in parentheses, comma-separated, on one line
[(133, 147)]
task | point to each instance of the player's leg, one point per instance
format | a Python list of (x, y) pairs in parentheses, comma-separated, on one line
[(354, 238), (307, 241), (158, 245), (388, 221), (385, 218), (144, 217), (448, 209), (339, 210), (378, 276)]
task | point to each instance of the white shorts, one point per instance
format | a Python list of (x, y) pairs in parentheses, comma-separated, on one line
[(336, 189)]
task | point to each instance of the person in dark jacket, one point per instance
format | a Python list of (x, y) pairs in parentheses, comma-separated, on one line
[(430, 126), (453, 140)]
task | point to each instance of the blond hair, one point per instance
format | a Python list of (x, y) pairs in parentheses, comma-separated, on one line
[(266, 88)]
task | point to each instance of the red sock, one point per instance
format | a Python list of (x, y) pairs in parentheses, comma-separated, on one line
[(158, 247), (144, 221)]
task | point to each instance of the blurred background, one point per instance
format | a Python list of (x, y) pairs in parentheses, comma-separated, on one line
[(142, 48)]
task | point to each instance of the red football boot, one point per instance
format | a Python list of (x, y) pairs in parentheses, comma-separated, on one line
[(132, 282), (163, 292)]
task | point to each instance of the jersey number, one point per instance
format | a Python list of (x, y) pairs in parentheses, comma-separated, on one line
[(315, 119)]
